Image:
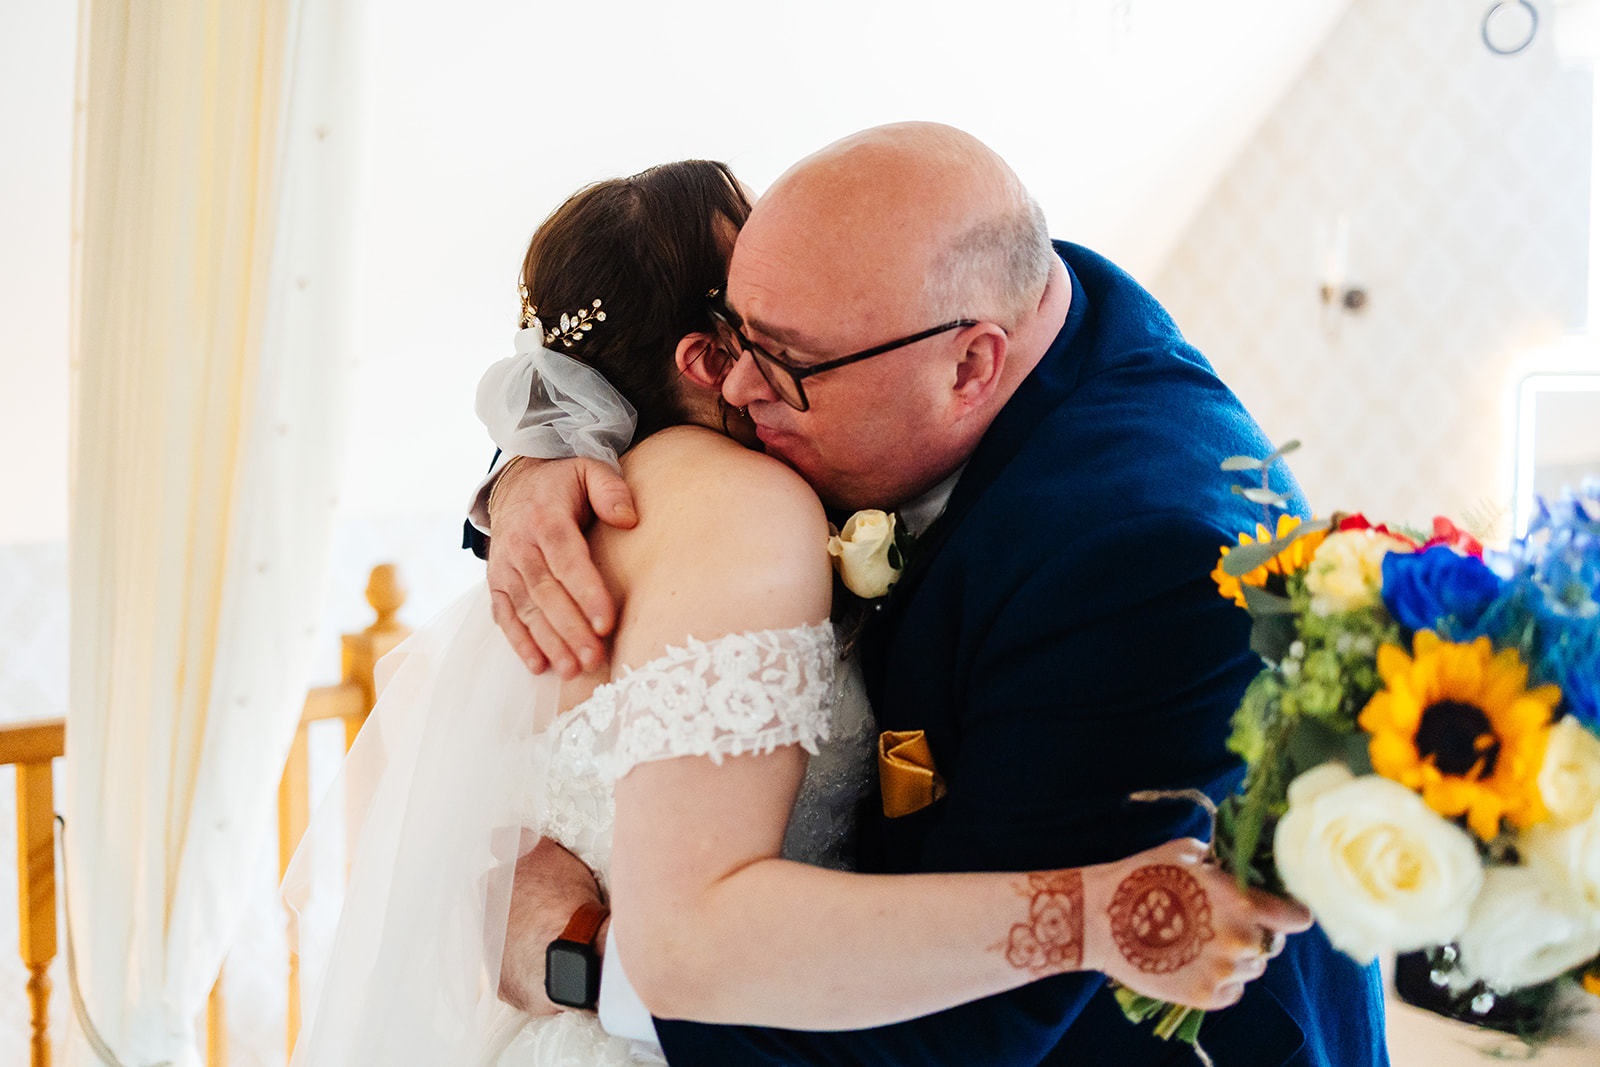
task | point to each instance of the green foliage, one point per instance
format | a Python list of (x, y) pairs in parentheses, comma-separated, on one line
[(1299, 712), (1174, 1021), (1249, 737)]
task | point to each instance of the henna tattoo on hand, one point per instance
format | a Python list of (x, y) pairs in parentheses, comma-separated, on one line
[(1051, 941), (1159, 918)]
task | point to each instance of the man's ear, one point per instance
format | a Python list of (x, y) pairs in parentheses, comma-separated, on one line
[(701, 360), (980, 366)]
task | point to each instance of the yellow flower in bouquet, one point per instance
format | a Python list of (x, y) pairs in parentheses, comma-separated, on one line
[(1458, 724), (1294, 558)]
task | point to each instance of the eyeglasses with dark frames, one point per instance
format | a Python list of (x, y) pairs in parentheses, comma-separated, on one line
[(785, 377)]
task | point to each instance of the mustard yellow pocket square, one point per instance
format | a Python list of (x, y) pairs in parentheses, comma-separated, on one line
[(906, 775)]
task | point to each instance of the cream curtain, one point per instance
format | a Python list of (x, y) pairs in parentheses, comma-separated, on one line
[(216, 144)]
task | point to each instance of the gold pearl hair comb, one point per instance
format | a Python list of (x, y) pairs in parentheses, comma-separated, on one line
[(569, 328)]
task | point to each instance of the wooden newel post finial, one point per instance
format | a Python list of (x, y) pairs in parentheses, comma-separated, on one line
[(387, 595), (362, 651)]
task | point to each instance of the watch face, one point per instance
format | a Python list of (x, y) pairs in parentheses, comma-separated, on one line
[(570, 974)]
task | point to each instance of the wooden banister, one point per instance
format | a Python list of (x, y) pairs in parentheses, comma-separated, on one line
[(31, 746), (351, 700)]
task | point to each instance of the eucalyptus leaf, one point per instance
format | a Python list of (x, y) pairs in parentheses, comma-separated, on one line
[(1246, 558), (1271, 636), (1241, 463), (1315, 742), (1358, 754), (1243, 559), (1264, 496), (1282, 450), (1260, 602)]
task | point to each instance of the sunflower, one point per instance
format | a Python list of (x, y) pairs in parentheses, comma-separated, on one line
[(1459, 725), (1291, 560)]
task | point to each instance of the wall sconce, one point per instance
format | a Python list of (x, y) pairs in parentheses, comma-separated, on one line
[(1333, 261)]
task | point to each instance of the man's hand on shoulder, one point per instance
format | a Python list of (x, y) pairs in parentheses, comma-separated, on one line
[(548, 598), (1169, 924)]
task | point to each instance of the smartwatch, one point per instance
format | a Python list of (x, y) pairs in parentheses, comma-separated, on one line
[(571, 963)]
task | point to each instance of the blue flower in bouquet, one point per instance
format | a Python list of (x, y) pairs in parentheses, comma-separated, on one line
[(1570, 581), (1439, 590), (1561, 552), (1571, 659)]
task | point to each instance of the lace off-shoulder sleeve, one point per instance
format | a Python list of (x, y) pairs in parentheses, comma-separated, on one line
[(749, 692)]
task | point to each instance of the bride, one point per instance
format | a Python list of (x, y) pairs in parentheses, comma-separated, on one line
[(706, 774)]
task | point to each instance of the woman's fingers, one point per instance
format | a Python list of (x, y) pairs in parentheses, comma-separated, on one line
[(1280, 915)]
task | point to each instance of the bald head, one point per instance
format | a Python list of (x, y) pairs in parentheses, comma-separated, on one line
[(855, 258), (920, 210)]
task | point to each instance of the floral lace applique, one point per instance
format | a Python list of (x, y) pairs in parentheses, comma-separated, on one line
[(742, 693), (749, 692)]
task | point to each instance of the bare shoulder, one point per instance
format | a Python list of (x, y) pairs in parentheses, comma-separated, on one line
[(691, 475), (728, 541)]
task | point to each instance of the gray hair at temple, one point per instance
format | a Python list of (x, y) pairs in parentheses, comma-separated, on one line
[(995, 270)]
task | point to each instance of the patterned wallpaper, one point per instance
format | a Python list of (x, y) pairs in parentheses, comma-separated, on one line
[(1465, 178)]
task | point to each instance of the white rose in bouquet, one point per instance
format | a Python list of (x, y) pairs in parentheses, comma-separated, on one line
[(1378, 868), (1569, 780), (1520, 932), (1567, 858), (1347, 571), (861, 553)]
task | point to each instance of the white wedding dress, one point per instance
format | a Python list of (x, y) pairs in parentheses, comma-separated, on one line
[(464, 750)]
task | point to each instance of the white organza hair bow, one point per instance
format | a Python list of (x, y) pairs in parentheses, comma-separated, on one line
[(545, 405)]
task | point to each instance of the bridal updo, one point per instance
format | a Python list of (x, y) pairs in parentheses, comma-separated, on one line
[(650, 247)]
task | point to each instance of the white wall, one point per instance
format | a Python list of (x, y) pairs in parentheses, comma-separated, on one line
[(485, 114), (1119, 115)]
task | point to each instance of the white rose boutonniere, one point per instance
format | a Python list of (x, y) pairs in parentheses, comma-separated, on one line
[(1378, 867), (865, 553)]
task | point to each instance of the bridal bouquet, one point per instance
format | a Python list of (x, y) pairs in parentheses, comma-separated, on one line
[(1423, 742)]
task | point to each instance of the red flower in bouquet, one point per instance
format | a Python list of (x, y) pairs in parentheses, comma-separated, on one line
[(1448, 533)]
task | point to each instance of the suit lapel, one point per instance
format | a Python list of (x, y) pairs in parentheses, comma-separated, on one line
[(1043, 390)]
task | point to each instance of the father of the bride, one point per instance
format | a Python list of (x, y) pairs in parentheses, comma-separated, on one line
[(1055, 638)]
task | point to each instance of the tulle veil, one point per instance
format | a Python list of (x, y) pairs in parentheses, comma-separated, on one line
[(436, 793)]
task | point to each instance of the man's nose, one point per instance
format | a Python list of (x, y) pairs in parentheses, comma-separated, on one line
[(744, 384)]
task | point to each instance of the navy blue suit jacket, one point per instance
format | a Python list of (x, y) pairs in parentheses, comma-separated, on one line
[(1058, 637)]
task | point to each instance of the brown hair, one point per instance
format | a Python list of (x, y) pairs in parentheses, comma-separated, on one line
[(649, 247)]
